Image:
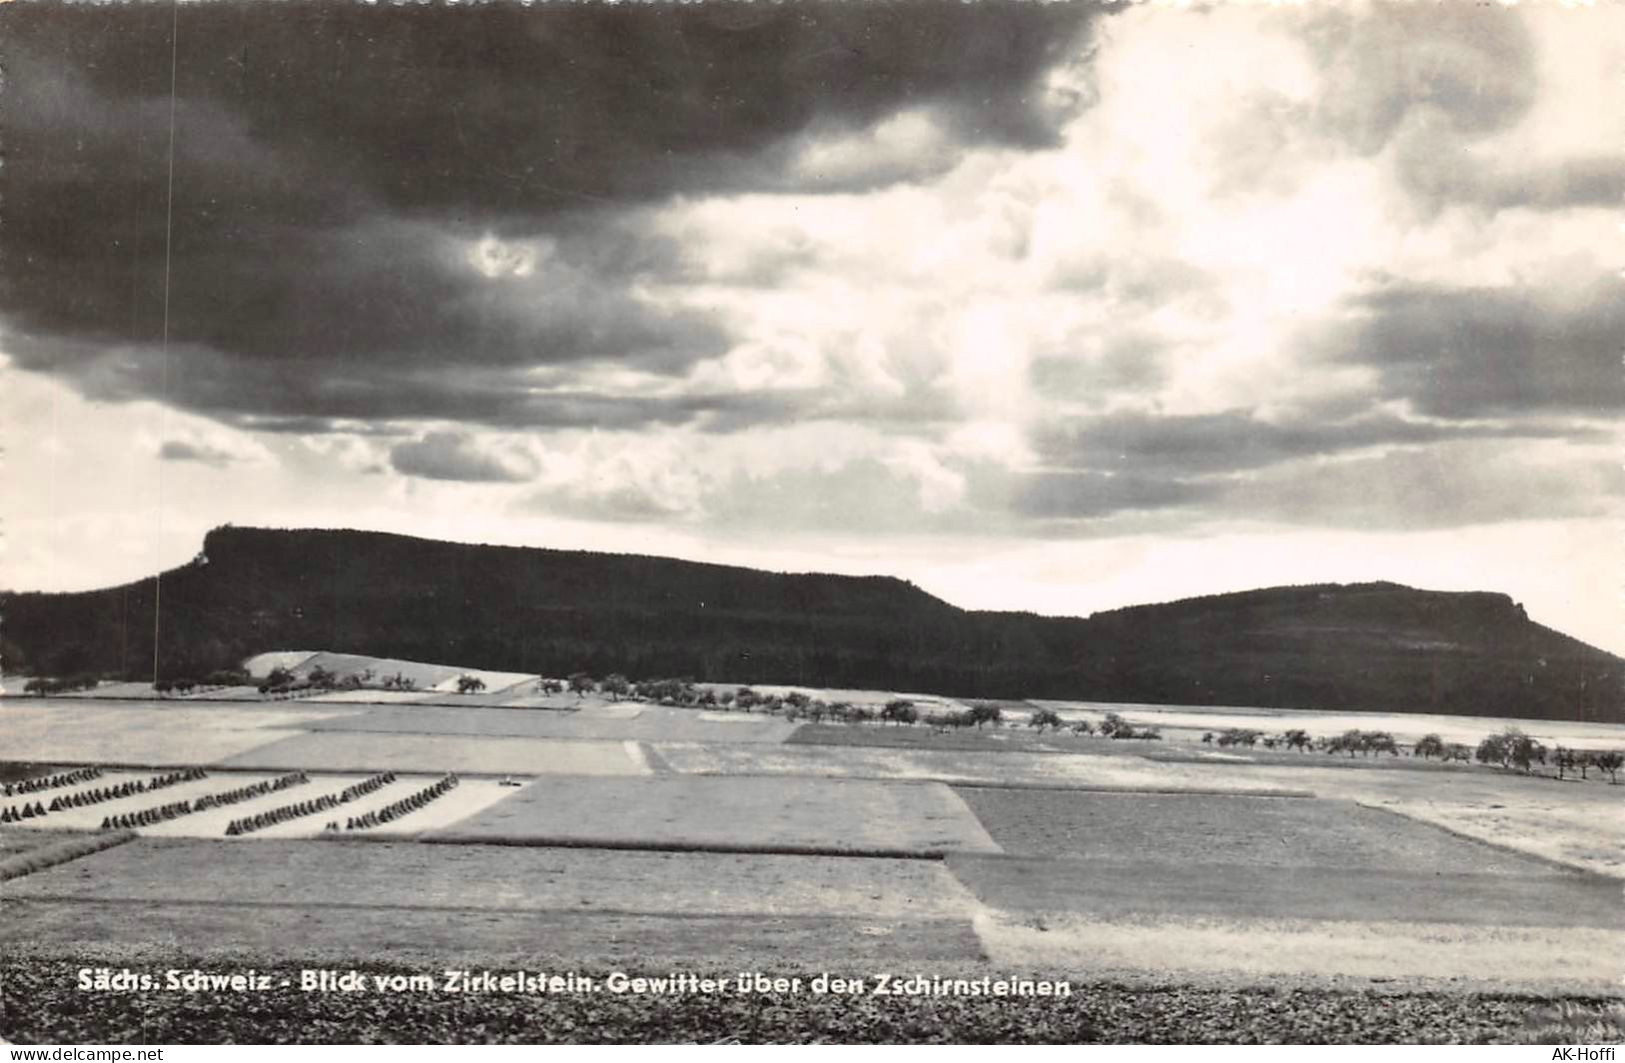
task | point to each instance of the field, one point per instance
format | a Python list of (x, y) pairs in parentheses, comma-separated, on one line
[(1260, 832), (360, 751), (501, 879), (700, 812), (1172, 884)]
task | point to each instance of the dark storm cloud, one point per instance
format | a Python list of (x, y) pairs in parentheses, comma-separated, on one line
[(455, 456), (328, 157), (355, 399), (1469, 69), (1439, 487), (178, 450), (1445, 485), (1438, 174), (1088, 494), (1434, 79), (1236, 440), (1474, 352), (1367, 469)]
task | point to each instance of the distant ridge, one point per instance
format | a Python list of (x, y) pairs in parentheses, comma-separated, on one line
[(1362, 647)]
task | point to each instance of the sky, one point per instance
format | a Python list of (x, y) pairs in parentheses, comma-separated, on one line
[(1042, 307)]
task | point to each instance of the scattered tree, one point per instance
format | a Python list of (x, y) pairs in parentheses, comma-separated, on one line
[(1045, 718), (1428, 746), (985, 713), (616, 686), (470, 684), (900, 711), (1350, 742), (1511, 748), (1378, 742), (1297, 738), (1610, 761), (581, 684)]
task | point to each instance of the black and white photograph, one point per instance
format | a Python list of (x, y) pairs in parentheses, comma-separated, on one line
[(818, 521)]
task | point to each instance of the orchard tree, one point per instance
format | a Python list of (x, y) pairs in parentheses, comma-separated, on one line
[(1045, 718), (1428, 746), (616, 686), (582, 684), (1610, 761), (1351, 742), (900, 711), (1492, 750), (1379, 742), (1526, 753), (985, 713)]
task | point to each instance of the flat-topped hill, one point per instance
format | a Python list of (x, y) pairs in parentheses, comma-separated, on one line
[(1376, 646)]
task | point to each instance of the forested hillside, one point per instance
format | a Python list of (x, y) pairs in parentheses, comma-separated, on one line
[(1362, 647)]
